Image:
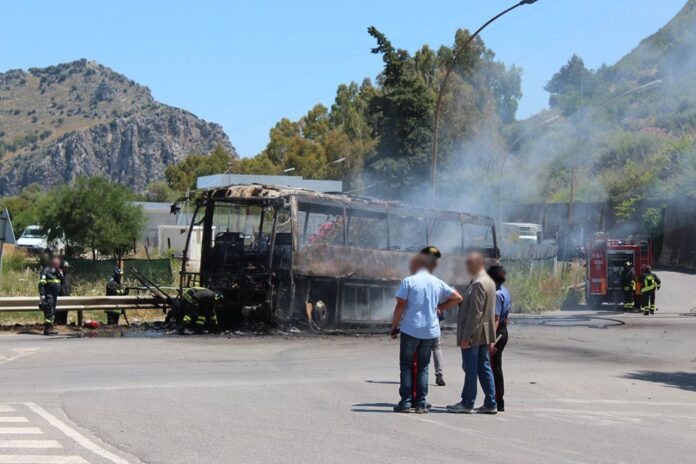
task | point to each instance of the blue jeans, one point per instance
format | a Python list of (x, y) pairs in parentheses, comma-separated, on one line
[(418, 349), (477, 364)]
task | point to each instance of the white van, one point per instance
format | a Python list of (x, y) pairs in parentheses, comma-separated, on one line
[(35, 240)]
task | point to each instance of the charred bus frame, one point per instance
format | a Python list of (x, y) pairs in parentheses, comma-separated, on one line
[(281, 255)]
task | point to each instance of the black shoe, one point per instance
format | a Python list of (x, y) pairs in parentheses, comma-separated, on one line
[(501, 408), (49, 330), (439, 381)]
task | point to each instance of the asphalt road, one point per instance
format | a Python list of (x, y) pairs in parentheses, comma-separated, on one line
[(582, 387)]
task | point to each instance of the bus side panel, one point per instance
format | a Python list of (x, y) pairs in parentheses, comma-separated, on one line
[(343, 262)]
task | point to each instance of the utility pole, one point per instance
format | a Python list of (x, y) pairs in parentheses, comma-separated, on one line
[(443, 86)]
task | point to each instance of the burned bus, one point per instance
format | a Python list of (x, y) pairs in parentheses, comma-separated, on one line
[(285, 255)]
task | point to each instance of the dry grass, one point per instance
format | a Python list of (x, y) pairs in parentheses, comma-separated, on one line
[(543, 290), (20, 276)]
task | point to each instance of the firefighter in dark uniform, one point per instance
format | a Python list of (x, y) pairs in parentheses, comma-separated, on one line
[(198, 305), (650, 284), (115, 287), (50, 284), (628, 282), (62, 316)]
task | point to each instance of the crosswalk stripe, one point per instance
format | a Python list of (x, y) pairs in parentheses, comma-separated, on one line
[(75, 435), (6, 408), (29, 444), (30, 459), (20, 431), (14, 419)]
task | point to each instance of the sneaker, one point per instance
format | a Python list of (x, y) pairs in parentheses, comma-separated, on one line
[(459, 408), (422, 410), (402, 408), (439, 381), (486, 410)]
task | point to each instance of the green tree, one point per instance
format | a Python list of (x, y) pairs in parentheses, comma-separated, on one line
[(401, 114), (160, 191), (94, 214), (23, 207), (572, 86), (182, 176)]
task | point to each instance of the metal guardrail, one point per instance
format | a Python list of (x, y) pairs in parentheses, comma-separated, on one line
[(81, 303)]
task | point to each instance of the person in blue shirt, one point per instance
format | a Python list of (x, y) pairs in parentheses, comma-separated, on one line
[(419, 299), (503, 304), (437, 347)]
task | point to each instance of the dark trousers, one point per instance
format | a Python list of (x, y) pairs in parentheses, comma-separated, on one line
[(497, 365), (113, 316), (61, 318), (199, 317), (628, 299), (648, 301), (49, 309), (418, 350)]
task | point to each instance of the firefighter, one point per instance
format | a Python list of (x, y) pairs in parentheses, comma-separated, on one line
[(115, 287), (198, 305), (650, 284), (628, 282), (62, 316), (50, 284)]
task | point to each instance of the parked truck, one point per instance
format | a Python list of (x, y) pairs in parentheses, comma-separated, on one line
[(606, 257)]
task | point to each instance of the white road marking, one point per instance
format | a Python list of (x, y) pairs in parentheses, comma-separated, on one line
[(13, 419), (75, 435), (36, 459), (6, 408), (20, 354), (29, 444), (20, 431)]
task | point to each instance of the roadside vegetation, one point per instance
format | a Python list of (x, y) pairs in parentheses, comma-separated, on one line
[(541, 290), (19, 277)]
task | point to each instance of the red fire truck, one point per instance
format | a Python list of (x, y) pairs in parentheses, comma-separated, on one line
[(605, 261)]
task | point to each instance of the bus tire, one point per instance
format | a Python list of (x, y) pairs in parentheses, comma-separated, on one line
[(321, 314)]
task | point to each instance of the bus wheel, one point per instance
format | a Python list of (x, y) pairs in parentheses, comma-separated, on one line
[(321, 315)]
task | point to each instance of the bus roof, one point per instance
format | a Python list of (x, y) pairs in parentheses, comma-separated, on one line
[(258, 191)]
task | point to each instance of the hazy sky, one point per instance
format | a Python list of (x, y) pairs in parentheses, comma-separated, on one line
[(247, 64)]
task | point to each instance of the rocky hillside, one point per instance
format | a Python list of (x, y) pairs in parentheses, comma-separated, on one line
[(82, 118)]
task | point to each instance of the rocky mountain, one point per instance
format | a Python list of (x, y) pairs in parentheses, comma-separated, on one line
[(82, 118)]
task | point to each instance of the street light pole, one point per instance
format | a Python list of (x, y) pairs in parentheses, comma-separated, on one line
[(443, 86)]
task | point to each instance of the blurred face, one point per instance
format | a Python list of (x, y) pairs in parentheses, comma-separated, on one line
[(55, 263), (474, 263), (432, 265), (416, 264)]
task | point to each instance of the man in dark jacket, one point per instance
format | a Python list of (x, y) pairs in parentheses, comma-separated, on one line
[(50, 284), (503, 306)]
